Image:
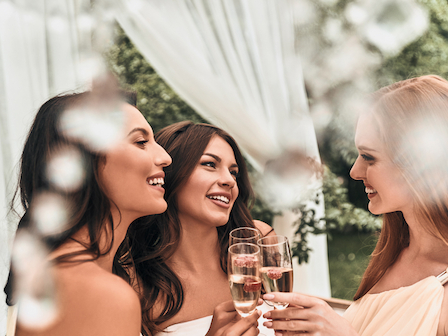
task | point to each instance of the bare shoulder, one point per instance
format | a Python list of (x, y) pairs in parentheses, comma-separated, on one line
[(264, 228), (104, 302)]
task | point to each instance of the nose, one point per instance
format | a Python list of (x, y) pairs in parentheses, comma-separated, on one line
[(358, 170), (226, 179), (162, 158)]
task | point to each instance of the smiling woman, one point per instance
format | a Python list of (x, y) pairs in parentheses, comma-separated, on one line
[(402, 163), (61, 275), (180, 256)]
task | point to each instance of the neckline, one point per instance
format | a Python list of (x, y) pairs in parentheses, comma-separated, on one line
[(442, 279), (186, 323)]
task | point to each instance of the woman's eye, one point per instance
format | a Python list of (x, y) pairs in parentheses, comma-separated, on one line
[(367, 157), (209, 164), (235, 173), (142, 143)]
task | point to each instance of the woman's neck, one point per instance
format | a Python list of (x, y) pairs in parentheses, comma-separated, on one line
[(422, 243), (81, 238), (198, 249)]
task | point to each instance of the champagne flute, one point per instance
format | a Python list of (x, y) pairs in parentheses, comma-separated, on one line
[(276, 266), (244, 235), (243, 268)]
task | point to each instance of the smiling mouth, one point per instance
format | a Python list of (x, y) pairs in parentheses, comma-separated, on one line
[(220, 198), (370, 191), (158, 182)]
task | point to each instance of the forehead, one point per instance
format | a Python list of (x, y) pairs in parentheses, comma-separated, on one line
[(219, 145), (134, 118), (367, 131)]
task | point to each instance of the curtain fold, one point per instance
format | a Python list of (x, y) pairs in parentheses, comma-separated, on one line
[(41, 50), (235, 63)]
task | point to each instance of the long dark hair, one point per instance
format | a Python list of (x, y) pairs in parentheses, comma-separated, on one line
[(153, 243), (89, 205)]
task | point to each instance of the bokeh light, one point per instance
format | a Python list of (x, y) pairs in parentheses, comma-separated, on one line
[(34, 286), (65, 169), (49, 213), (289, 180), (98, 130)]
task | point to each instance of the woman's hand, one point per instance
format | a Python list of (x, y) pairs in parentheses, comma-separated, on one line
[(306, 316), (227, 322)]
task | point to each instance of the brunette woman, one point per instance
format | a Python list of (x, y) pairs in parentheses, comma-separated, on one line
[(122, 183), (181, 255)]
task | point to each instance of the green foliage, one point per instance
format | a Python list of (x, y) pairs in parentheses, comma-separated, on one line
[(427, 55), (160, 105), (348, 256), (340, 216)]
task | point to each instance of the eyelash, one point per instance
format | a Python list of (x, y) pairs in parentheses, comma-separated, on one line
[(213, 165), (142, 143), (367, 158)]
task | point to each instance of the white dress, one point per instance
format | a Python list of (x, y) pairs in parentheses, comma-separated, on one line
[(199, 327)]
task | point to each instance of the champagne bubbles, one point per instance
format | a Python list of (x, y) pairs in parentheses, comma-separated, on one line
[(98, 130), (34, 287), (49, 213), (65, 169)]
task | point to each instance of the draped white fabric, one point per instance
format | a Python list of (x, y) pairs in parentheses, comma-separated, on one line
[(231, 60), (39, 57), (234, 62)]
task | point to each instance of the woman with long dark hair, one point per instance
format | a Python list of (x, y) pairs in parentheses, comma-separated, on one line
[(121, 183), (180, 256)]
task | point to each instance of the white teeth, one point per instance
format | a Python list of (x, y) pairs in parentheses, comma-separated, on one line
[(157, 182), (220, 198), (370, 190)]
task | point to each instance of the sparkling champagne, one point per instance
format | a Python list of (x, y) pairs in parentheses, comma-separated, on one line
[(277, 279), (245, 291)]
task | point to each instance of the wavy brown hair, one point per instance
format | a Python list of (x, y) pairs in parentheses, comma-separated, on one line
[(398, 110), (89, 205), (154, 239)]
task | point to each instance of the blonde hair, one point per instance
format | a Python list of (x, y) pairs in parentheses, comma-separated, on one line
[(412, 115)]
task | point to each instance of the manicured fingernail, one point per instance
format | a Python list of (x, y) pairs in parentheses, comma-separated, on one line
[(267, 324), (267, 315), (259, 312), (278, 333), (268, 296)]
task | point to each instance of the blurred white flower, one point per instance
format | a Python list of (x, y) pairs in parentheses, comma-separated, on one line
[(49, 213), (98, 130), (65, 169), (33, 282)]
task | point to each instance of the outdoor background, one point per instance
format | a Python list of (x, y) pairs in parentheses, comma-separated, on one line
[(351, 230)]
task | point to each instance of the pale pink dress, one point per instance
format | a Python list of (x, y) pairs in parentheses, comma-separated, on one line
[(407, 311)]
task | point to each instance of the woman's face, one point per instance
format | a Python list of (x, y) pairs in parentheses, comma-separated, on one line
[(211, 190), (385, 186), (133, 172)]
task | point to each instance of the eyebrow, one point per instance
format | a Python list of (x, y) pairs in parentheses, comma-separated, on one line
[(217, 158), (367, 149), (139, 129)]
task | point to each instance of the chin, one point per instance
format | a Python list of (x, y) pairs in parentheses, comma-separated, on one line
[(375, 211), (157, 208)]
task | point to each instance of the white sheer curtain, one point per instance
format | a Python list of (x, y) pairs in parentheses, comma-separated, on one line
[(41, 49), (234, 62)]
